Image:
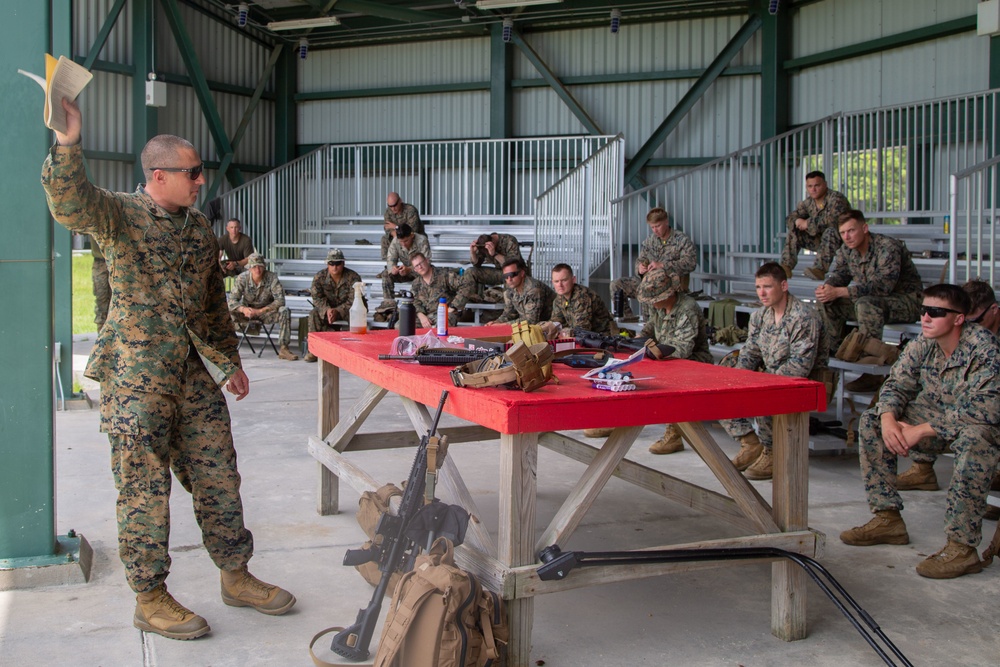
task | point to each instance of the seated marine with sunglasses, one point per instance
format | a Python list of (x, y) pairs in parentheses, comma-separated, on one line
[(944, 391), (524, 297), (872, 280), (920, 475)]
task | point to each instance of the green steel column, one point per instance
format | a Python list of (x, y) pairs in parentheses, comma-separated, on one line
[(27, 490), (62, 238), (286, 75), (501, 100), (775, 109), (144, 118)]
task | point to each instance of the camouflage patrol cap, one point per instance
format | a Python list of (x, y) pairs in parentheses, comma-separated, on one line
[(255, 260), (657, 285), (335, 255)]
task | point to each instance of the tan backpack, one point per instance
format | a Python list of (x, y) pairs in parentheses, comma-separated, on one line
[(441, 616), (371, 506)]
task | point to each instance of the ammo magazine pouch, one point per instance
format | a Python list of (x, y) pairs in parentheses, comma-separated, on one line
[(527, 367)]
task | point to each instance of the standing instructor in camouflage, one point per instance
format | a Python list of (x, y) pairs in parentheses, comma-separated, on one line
[(166, 348), (943, 391)]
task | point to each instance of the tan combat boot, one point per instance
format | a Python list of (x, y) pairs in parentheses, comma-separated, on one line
[(877, 352), (815, 273), (886, 528), (157, 611), (597, 432), (670, 442), (310, 358), (762, 468), (286, 354), (242, 589), (954, 560), (918, 477), (750, 449), (851, 347), (788, 271), (866, 383)]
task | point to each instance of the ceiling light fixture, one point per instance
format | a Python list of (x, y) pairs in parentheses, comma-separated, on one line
[(303, 48), (508, 29), (304, 24), (242, 14), (505, 4), (616, 21)]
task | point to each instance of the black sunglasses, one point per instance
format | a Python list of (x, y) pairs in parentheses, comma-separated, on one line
[(192, 172), (508, 276), (398, 202), (335, 263), (936, 312), (979, 319)]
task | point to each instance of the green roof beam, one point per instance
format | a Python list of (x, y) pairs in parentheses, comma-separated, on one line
[(102, 35), (694, 94)]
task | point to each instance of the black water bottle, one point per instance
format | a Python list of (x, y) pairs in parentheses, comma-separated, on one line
[(407, 315), (619, 303)]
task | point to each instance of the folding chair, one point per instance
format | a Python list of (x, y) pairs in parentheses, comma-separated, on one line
[(245, 328)]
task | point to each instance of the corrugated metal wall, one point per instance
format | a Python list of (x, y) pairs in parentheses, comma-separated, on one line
[(726, 119), (226, 56), (947, 66)]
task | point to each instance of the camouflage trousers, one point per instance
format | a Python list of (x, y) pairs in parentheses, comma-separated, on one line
[(977, 449), (743, 425), (825, 245), (282, 316), (152, 434), (629, 286), (319, 323), (102, 291), (468, 289), (872, 313), (389, 282)]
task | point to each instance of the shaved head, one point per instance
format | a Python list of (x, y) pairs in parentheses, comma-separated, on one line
[(163, 150)]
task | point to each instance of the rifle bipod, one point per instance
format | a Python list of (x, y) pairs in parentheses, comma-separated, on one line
[(557, 564)]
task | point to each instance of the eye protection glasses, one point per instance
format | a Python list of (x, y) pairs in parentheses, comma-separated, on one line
[(508, 276), (935, 312), (979, 320), (192, 172)]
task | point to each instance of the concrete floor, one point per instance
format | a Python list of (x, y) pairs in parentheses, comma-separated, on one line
[(709, 617)]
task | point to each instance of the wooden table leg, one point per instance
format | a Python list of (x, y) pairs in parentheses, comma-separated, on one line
[(328, 484), (518, 485), (790, 502)]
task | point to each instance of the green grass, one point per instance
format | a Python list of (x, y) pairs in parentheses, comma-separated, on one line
[(83, 294)]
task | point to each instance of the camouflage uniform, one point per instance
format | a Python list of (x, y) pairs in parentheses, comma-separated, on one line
[(794, 347), (327, 294), (269, 295), (426, 296), (533, 303), (236, 251), (400, 255), (677, 254), (683, 328), (409, 215), (506, 246), (167, 345), (101, 281), (960, 397), (823, 233), (582, 308), (883, 284)]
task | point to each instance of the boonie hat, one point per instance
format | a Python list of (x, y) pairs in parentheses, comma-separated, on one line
[(335, 255), (255, 260), (657, 285)]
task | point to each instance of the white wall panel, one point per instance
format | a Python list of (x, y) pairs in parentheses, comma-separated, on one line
[(938, 68), (403, 118), (416, 64)]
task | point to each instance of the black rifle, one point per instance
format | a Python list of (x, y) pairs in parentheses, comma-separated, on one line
[(442, 356), (583, 358), (390, 551), (586, 338)]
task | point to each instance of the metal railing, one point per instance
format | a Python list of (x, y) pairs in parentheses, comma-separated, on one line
[(450, 181), (892, 162), (972, 234), (573, 217)]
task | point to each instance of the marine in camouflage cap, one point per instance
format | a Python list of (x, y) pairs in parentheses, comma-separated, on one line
[(658, 285), (255, 259), (335, 255)]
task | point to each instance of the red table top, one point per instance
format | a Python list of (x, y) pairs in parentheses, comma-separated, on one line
[(680, 391)]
